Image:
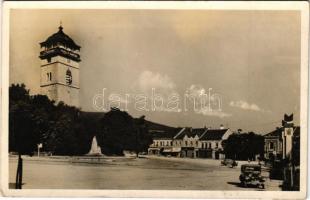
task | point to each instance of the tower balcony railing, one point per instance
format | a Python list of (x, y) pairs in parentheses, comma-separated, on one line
[(59, 51)]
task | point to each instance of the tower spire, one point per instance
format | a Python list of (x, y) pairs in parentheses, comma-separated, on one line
[(60, 25)]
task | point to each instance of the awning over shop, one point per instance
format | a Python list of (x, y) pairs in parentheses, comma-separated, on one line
[(153, 148), (176, 149)]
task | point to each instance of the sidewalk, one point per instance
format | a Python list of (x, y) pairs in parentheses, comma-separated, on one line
[(188, 160), (208, 161)]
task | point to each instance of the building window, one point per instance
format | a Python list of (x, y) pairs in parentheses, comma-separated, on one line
[(185, 143), (210, 146), (216, 144), (271, 145)]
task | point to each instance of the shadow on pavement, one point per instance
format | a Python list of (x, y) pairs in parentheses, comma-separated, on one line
[(238, 184)]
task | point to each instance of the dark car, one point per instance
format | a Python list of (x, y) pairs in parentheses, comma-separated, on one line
[(251, 175), (229, 162)]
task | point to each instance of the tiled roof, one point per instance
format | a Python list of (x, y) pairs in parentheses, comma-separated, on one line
[(275, 133), (190, 132), (214, 134), (278, 132), (62, 38)]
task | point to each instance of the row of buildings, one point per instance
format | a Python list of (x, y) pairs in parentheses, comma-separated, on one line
[(189, 142), (208, 142)]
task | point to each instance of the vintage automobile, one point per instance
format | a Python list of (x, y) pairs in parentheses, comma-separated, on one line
[(229, 162), (251, 175)]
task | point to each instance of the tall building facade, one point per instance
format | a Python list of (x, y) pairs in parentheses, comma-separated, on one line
[(60, 68)]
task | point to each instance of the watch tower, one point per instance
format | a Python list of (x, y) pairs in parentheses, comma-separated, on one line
[(60, 68)]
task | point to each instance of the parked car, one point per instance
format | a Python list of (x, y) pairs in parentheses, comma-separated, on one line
[(251, 175), (229, 162)]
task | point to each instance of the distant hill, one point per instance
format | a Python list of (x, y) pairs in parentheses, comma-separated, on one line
[(155, 129), (157, 126), (161, 131)]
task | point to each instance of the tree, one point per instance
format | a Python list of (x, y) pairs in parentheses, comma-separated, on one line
[(22, 138), (120, 131), (116, 132), (142, 137), (244, 146), (42, 113), (62, 137), (36, 119)]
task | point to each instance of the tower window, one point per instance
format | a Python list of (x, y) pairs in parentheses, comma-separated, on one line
[(49, 76)]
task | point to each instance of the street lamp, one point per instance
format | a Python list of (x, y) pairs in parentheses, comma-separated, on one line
[(39, 146)]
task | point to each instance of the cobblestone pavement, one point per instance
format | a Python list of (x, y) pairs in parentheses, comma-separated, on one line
[(142, 173)]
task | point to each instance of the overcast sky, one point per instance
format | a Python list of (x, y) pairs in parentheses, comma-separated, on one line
[(252, 59)]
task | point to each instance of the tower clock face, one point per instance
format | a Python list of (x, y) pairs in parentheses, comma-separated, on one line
[(68, 77)]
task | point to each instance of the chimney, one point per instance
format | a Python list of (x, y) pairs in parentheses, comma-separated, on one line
[(222, 126)]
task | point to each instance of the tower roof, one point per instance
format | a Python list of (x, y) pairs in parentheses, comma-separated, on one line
[(60, 38)]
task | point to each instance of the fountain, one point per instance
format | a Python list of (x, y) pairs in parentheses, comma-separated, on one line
[(95, 149), (94, 156)]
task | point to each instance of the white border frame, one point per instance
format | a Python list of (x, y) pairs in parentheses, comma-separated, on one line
[(298, 6)]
